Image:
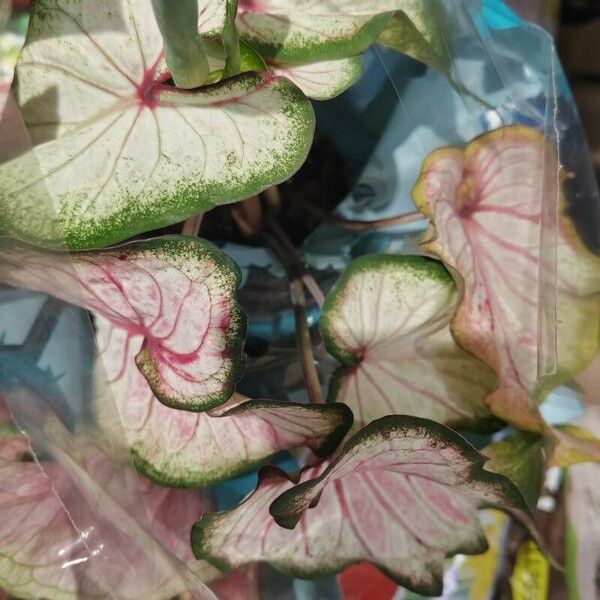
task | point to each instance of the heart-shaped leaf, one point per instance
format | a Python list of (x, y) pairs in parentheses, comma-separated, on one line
[(43, 556), (322, 80), (175, 293), (307, 31), (402, 494), (121, 152), (387, 321), (531, 292), (180, 448)]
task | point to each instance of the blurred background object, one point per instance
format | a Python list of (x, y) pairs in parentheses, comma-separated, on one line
[(576, 25)]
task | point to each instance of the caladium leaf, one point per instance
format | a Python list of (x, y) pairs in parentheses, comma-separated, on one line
[(419, 31), (177, 294), (121, 152), (43, 556), (322, 80), (402, 494), (518, 271), (387, 321), (306, 31), (181, 448)]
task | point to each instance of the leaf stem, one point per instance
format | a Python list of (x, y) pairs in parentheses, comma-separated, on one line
[(290, 250), (184, 51), (192, 225), (303, 340), (353, 225)]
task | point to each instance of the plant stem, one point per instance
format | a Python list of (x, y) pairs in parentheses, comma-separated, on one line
[(290, 250), (248, 216), (363, 225), (184, 52), (303, 341), (192, 225)]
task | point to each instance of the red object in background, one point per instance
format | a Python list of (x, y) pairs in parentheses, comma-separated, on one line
[(366, 582)]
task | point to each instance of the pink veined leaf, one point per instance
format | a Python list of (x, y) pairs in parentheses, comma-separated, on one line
[(176, 294), (387, 321), (530, 304), (117, 150), (181, 448), (402, 494), (42, 555)]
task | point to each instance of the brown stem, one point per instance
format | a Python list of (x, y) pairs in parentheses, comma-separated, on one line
[(192, 225), (303, 341), (248, 216), (363, 225), (292, 256), (272, 197)]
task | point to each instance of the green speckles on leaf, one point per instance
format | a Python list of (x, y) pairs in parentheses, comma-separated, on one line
[(387, 322), (127, 155)]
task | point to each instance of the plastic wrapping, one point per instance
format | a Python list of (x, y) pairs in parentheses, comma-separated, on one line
[(503, 71)]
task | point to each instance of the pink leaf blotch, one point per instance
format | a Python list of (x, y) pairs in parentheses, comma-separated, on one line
[(402, 494)]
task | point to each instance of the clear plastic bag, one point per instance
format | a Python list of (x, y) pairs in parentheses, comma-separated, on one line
[(50, 374)]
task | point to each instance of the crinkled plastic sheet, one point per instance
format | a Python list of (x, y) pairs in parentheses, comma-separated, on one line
[(384, 128), (49, 376)]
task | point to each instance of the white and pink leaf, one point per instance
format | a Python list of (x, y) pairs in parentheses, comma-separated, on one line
[(182, 448), (530, 305), (118, 151), (402, 494), (387, 322)]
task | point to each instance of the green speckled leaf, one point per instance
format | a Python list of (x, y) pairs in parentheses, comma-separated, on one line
[(387, 321), (312, 30), (121, 152), (402, 494), (180, 448), (176, 294)]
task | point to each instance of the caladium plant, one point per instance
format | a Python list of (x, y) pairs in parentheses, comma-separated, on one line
[(117, 151), (402, 494), (120, 148)]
